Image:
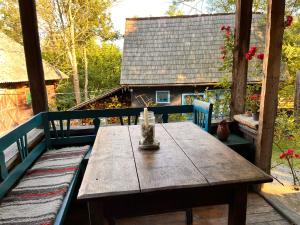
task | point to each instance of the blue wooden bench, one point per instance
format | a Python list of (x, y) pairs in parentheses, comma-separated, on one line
[(58, 132), (26, 157)]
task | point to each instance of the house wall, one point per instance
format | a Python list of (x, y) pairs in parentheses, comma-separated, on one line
[(149, 93), (15, 104)]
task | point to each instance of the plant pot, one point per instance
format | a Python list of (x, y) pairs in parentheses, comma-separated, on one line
[(248, 113), (255, 116), (223, 131)]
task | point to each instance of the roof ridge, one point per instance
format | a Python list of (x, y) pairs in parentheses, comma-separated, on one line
[(183, 16)]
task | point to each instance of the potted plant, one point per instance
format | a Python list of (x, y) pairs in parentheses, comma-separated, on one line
[(254, 102)]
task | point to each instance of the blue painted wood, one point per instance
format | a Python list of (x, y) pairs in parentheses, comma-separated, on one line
[(54, 128), (68, 128), (47, 129), (165, 117), (96, 123), (73, 140), (3, 169), (14, 175), (20, 131), (61, 126), (82, 114), (202, 114)]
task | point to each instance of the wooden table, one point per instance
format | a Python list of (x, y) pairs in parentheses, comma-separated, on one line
[(192, 168)]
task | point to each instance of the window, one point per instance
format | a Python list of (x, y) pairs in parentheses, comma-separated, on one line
[(188, 98), (162, 96)]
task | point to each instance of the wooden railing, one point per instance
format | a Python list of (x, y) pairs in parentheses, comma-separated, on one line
[(62, 132)]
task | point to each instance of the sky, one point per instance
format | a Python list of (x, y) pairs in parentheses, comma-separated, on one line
[(144, 8)]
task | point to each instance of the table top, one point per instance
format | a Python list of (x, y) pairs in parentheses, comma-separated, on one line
[(188, 157)]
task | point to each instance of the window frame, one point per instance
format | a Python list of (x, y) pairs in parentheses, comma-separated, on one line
[(165, 91)]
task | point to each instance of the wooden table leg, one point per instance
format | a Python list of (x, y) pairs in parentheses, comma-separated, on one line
[(96, 215), (189, 216), (238, 206)]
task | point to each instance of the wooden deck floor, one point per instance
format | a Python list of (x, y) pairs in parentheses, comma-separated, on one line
[(259, 212)]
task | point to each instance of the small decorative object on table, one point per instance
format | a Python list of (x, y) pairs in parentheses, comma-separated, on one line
[(223, 131), (147, 122)]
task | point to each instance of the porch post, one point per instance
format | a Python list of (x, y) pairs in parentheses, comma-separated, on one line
[(33, 55), (297, 97), (243, 19), (271, 71)]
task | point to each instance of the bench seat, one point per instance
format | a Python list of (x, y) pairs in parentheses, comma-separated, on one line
[(39, 195)]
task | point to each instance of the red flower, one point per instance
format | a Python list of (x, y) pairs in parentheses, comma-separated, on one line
[(223, 50), (282, 155), (290, 152), (289, 20), (228, 33), (255, 97), (252, 51), (260, 56), (297, 155), (248, 56), (227, 29)]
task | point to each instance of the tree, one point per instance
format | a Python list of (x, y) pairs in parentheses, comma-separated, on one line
[(65, 28), (69, 24), (104, 66), (173, 10), (104, 73), (10, 20), (228, 6)]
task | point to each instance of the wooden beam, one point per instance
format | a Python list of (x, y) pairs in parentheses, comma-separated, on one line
[(33, 55), (243, 19), (269, 95), (297, 97)]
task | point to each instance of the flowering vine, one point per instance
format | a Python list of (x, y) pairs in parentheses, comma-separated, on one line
[(288, 22), (227, 49), (260, 56)]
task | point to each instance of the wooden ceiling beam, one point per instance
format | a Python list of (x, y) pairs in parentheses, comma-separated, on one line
[(271, 71), (243, 19), (33, 55)]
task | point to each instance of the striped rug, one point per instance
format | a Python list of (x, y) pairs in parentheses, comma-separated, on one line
[(37, 198)]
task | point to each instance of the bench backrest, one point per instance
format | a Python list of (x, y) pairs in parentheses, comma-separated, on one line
[(202, 112), (18, 137), (61, 132)]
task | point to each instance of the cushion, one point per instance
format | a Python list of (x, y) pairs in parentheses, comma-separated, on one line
[(38, 196)]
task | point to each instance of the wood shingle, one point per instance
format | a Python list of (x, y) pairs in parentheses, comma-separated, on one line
[(179, 50)]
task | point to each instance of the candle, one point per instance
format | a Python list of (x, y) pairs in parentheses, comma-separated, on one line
[(146, 116)]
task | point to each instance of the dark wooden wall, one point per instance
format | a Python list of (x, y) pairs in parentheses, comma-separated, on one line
[(175, 93)]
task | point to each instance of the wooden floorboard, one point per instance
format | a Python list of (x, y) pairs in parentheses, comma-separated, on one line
[(259, 212)]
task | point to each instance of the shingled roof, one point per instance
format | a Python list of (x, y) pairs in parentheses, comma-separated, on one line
[(182, 50), (13, 65)]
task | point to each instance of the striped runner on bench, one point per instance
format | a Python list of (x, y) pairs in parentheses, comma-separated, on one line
[(38, 196)]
